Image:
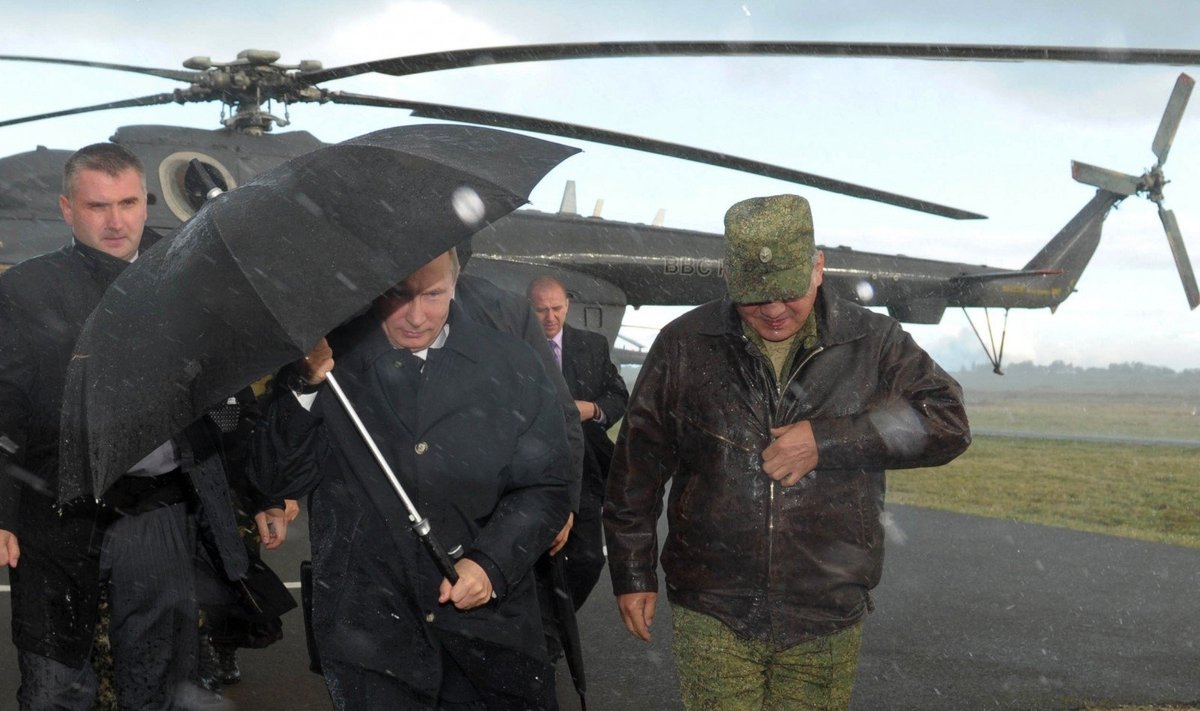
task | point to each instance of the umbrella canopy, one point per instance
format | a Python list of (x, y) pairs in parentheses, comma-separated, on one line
[(261, 273)]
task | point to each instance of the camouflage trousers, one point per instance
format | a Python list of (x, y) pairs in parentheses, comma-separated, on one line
[(102, 660), (719, 671)]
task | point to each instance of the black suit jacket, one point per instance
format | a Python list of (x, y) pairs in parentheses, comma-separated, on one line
[(591, 376)]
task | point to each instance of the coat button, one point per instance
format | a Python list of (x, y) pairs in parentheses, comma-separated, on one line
[(421, 448), (429, 617)]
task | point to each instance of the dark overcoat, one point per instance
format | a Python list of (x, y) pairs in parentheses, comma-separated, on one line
[(479, 447), (44, 303)]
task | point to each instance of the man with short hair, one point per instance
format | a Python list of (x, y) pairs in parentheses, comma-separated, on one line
[(469, 423), (600, 396), (138, 543), (773, 413)]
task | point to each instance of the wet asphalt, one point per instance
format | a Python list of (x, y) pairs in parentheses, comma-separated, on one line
[(972, 613)]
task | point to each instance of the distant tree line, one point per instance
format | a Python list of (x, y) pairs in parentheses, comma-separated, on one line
[(1128, 377)]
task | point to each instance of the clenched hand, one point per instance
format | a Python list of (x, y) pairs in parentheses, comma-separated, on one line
[(793, 455)]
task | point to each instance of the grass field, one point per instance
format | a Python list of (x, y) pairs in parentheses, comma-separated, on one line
[(1169, 417), (1147, 492), (1150, 493)]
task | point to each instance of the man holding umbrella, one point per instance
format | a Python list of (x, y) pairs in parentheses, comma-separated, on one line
[(139, 541), (468, 420)]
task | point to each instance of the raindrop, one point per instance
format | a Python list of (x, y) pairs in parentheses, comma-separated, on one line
[(468, 205), (891, 530), (865, 292), (307, 203), (900, 428)]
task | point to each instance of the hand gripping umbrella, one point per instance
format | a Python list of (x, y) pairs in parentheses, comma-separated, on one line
[(261, 273)]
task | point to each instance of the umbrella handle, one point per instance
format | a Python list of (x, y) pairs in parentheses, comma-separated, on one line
[(443, 560)]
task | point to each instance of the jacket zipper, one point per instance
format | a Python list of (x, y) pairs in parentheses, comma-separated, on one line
[(774, 484)]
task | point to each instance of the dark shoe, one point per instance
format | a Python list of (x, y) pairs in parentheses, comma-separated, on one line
[(227, 665), (209, 672)]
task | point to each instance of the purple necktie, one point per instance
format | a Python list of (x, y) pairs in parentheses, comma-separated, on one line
[(557, 353)]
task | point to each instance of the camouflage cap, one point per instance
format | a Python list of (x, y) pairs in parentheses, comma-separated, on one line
[(769, 249)]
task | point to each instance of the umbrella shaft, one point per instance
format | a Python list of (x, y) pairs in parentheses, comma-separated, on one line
[(370, 441), (443, 560)]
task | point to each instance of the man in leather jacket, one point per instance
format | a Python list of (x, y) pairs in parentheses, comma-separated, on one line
[(773, 413)]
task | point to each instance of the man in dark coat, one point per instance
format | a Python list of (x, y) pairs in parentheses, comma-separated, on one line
[(600, 396), (773, 413), (139, 542), (468, 422)]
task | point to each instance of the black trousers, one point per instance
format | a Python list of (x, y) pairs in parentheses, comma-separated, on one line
[(146, 562)]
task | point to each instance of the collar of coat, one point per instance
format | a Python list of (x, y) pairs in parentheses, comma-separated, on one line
[(103, 263), (464, 339), (838, 320)]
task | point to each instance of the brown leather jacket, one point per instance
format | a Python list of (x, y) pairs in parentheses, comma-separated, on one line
[(772, 563)]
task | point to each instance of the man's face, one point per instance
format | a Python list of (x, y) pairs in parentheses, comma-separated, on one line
[(550, 304), (107, 212), (780, 320), (414, 312)]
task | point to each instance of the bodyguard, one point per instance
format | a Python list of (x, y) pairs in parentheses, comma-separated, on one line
[(138, 545)]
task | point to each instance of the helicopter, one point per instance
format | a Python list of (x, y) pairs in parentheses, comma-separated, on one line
[(605, 264)]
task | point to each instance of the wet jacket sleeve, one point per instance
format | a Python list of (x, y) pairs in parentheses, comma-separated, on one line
[(644, 461), (536, 499), (919, 420), (286, 449), (507, 312), (17, 370), (614, 397)]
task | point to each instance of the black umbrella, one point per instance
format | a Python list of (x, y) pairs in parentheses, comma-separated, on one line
[(261, 273), (568, 626)]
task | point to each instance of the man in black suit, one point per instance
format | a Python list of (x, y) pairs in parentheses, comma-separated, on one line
[(601, 397)]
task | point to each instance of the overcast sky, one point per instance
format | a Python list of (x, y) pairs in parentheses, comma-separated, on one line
[(996, 138)]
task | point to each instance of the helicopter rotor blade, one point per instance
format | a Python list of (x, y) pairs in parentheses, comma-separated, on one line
[(456, 59), (152, 100), (1105, 179), (1171, 117), (1179, 252), (648, 145), (180, 75)]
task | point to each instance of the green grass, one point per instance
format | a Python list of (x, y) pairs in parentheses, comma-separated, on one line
[(1150, 493), (1152, 417)]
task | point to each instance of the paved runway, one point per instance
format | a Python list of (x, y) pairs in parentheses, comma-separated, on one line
[(972, 613)]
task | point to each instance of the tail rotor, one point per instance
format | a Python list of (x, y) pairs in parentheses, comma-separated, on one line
[(1152, 181)]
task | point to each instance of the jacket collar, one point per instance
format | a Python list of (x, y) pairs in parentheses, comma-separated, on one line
[(100, 264), (838, 321), (464, 338), (104, 264)]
